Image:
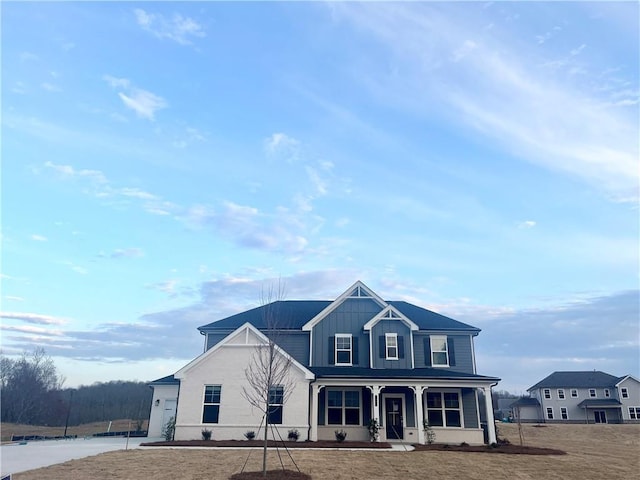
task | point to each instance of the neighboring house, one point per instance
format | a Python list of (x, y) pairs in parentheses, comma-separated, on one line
[(581, 397), (353, 359)]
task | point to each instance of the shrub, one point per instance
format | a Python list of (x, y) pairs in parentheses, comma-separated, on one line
[(374, 428), (293, 435), (250, 435), (340, 435), (169, 429), (429, 434), (464, 444), (206, 434)]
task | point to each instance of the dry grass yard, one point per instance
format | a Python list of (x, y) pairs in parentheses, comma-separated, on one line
[(593, 452), (8, 429)]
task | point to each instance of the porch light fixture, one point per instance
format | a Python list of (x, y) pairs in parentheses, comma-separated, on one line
[(157, 402)]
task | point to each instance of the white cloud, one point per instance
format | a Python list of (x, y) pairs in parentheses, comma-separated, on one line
[(38, 238), (282, 145), (34, 318), (144, 103), (115, 82), (177, 28), (50, 87), (467, 47), (30, 329), (527, 224), (68, 171), (14, 298)]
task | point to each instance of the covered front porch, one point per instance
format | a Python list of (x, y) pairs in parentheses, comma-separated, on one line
[(401, 409)]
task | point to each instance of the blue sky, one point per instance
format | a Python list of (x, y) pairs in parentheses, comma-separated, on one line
[(163, 162)]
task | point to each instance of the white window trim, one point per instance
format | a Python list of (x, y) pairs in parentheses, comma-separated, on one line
[(624, 392), (607, 393), (441, 391), (446, 350), (343, 335), (636, 412), (546, 393), (547, 411), (564, 412), (388, 336), (595, 393), (344, 407), (574, 390), (561, 394), (205, 403)]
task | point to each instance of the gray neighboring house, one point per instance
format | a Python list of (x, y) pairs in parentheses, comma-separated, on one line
[(581, 397)]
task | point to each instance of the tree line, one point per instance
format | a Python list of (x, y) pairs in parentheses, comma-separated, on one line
[(32, 393)]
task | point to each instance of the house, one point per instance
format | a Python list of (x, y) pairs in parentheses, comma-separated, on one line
[(353, 359), (581, 397)]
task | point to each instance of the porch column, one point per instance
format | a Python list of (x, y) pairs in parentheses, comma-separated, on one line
[(315, 390), (491, 424), (418, 391), (375, 402)]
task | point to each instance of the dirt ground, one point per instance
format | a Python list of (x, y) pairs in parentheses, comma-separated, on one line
[(593, 452), (8, 429)]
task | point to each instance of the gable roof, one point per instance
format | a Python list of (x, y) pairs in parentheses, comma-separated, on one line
[(525, 402), (168, 380), (625, 377), (390, 313), (588, 379), (248, 329), (295, 314)]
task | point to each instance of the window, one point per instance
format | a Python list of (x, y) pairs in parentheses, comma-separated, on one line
[(634, 413), (561, 393), (343, 407), (547, 393), (391, 346), (607, 393), (563, 413), (439, 352), (624, 392), (343, 349), (574, 393), (443, 409), (549, 413), (592, 393), (211, 409), (276, 397)]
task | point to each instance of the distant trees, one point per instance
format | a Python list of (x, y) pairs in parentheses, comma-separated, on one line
[(31, 392)]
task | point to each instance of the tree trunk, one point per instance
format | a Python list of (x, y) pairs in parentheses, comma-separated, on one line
[(264, 448)]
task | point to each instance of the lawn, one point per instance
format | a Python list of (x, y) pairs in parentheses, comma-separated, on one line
[(593, 452)]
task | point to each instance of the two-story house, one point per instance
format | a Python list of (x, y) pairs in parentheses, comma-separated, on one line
[(581, 397), (352, 359)]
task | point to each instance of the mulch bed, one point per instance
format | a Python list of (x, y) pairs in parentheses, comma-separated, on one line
[(260, 443), (271, 475), (508, 449)]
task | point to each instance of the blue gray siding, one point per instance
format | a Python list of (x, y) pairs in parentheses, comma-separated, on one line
[(460, 361), (295, 344), (349, 317), (470, 408), (215, 338), (378, 344)]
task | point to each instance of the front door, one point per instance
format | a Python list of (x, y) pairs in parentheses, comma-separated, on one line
[(600, 416), (393, 418), (169, 411)]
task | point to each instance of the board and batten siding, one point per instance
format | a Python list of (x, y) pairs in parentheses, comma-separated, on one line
[(294, 343), (462, 351), (349, 317), (469, 408), (378, 344)]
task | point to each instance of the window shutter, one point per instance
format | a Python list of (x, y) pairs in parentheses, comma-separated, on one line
[(354, 351), (382, 346), (427, 351), (331, 357), (400, 346), (452, 352)]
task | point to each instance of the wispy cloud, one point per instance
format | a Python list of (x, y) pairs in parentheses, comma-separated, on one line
[(177, 28), (282, 145), (38, 238), (527, 224), (34, 318), (124, 253), (143, 102)]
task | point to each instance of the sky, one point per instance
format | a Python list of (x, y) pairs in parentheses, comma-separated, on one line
[(165, 163)]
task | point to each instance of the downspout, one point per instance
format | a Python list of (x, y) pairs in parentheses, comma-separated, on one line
[(309, 419)]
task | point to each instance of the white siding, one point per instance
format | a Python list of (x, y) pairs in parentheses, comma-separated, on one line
[(162, 394)]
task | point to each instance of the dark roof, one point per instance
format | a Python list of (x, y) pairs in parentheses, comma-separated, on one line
[(168, 380), (599, 403), (293, 314), (589, 379), (526, 402), (363, 372)]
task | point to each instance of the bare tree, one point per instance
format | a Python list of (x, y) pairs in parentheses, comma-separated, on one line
[(269, 383)]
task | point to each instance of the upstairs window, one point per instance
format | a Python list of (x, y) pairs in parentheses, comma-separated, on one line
[(391, 346), (211, 409), (607, 393), (624, 392), (574, 393), (547, 393), (439, 351), (561, 393), (276, 400), (592, 393), (343, 349)]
